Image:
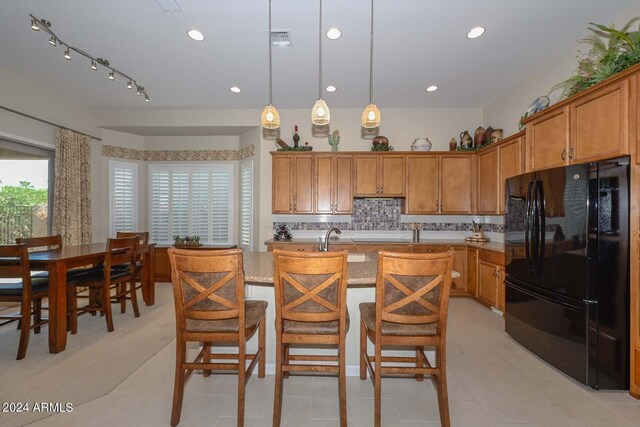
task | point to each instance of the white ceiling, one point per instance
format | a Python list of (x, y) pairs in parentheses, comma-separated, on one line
[(417, 43)]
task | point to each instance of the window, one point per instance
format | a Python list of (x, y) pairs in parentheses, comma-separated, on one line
[(122, 196), (191, 200), (246, 204)]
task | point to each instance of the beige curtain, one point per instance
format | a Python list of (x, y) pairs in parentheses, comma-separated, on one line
[(72, 188)]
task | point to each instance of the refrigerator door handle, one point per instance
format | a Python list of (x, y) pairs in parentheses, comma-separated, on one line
[(542, 223), (527, 226), (535, 209), (542, 297)]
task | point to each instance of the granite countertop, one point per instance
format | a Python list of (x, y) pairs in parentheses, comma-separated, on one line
[(492, 246), (258, 269)]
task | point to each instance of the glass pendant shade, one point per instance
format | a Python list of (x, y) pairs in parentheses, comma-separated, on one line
[(371, 117), (270, 118), (320, 114)]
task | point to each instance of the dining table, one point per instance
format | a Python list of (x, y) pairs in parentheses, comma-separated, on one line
[(58, 262)]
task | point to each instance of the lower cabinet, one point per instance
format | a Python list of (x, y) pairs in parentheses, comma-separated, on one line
[(490, 279), (300, 247)]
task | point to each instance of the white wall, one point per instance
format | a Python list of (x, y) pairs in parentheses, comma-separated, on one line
[(191, 143)]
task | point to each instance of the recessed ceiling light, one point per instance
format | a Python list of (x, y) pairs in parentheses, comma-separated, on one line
[(334, 33), (235, 89), (196, 35), (475, 32), (330, 88), (432, 88)]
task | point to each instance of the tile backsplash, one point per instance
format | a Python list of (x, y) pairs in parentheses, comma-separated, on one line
[(385, 215)]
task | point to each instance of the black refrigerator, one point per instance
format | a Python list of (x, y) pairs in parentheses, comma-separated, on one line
[(567, 269)]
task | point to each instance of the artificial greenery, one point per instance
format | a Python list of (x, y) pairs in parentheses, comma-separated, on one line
[(186, 240), (382, 147), (300, 148), (611, 51), (471, 148)]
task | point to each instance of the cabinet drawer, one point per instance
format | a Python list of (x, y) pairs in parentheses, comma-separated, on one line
[(492, 257), (427, 249)]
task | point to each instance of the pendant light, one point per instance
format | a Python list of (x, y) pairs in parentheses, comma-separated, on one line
[(320, 114), (371, 114), (270, 118)]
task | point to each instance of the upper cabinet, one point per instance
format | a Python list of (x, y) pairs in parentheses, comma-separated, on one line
[(292, 184), (334, 193), (488, 181), (548, 140), (378, 175), (439, 184), (511, 153)]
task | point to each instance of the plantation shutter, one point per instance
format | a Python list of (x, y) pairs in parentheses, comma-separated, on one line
[(122, 196), (191, 201), (246, 208)]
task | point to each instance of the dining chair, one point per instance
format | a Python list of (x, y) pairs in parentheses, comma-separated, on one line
[(210, 306), (310, 295), (14, 264), (410, 310), (118, 268), (144, 240)]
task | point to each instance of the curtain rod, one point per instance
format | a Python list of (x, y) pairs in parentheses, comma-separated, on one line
[(2, 107)]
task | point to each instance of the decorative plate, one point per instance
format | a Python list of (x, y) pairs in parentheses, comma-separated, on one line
[(540, 103)]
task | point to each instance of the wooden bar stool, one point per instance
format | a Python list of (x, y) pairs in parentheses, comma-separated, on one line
[(412, 300), (310, 294), (208, 289)]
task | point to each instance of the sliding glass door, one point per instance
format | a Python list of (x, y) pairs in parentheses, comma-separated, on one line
[(26, 191)]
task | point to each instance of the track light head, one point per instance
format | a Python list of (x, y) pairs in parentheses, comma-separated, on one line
[(94, 66), (146, 98), (67, 55), (53, 41), (129, 85), (139, 90), (34, 25), (112, 75)]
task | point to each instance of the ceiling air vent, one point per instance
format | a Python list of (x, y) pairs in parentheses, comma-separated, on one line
[(280, 38), (170, 5)]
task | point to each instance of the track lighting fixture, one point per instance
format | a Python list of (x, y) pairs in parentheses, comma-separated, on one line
[(44, 25)]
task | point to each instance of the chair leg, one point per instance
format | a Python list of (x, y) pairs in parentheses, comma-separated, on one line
[(286, 360), (93, 300), (72, 304), (377, 398), (242, 367), (277, 397), (122, 291), (342, 385), (37, 314), (25, 328), (178, 384), (363, 350), (261, 347), (419, 363), (443, 396), (134, 297), (206, 358), (106, 306)]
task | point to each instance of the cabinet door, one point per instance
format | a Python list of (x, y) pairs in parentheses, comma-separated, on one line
[(459, 285), (422, 185), (511, 160), (500, 278), (343, 200), (392, 176), (472, 271), (366, 175), (456, 178), (487, 289), (323, 179), (488, 182), (600, 123), (303, 184), (299, 247), (548, 141), (281, 186)]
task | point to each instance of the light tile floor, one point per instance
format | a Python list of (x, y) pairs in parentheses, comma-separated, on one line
[(493, 382)]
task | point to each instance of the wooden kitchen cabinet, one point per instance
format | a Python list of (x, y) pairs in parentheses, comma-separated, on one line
[(378, 175), (460, 285), (472, 271), (299, 247), (600, 124), (456, 182), (422, 184), (511, 163), (487, 181), (491, 279), (333, 188), (292, 184), (548, 140), (500, 276)]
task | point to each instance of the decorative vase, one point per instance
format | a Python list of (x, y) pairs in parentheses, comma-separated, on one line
[(421, 144), (296, 137), (496, 135), (478, 137), (465, 139), (453, 144), (380, 143)]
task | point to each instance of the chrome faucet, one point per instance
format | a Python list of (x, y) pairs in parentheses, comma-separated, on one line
[(323, 246)]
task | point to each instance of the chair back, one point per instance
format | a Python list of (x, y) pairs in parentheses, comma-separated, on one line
[(122, 251), (143, 235), (310, 286), (45, 243), (14, 264), (413, 288), (207, 284)]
